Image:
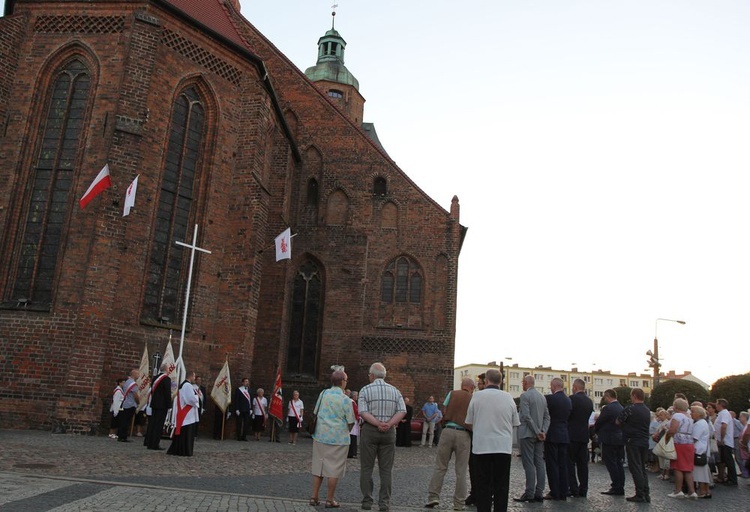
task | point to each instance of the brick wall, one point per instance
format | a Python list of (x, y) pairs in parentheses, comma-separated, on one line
[(57, 367)]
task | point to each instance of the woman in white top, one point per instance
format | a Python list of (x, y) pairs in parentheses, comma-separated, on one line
[(681, 428), (701, 437), (294, 415)]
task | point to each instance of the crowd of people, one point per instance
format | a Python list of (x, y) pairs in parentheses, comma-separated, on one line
[(695, 446), (187, 406)]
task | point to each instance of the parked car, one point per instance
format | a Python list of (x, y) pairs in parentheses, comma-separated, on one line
[(416, 429)]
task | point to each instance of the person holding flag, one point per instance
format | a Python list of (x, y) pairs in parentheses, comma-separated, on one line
[(295, 415), (129, 404), (260, 413), (186, 405), (276, 409), (158, 404)]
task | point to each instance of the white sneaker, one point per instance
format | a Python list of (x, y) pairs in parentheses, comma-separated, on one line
[(693, 496), (678, 495)]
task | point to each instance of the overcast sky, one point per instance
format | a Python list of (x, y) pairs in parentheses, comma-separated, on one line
[(599, 152)]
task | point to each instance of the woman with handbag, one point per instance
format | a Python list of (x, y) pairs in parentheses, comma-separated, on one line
[(663, 464), (701, 437), (335, 418), (681, 430)]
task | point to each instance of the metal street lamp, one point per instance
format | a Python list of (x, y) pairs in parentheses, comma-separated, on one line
[(653, 362)]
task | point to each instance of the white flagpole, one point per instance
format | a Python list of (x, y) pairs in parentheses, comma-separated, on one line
[(193, 247)]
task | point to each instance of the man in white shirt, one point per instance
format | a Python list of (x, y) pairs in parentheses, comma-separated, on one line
[(492, 415), (724, 433)]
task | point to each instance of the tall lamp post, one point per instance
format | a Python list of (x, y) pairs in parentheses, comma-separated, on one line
[(653, 362)]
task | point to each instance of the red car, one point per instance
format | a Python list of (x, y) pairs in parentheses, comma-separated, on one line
[(416, 428)]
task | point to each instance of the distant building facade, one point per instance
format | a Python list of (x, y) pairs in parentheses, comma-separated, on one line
[(597, 381)]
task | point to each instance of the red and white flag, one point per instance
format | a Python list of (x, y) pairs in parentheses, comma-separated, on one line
[(222, 390), (284, 245), (101, 183), (143, 381), (277, 401), (130, 197)]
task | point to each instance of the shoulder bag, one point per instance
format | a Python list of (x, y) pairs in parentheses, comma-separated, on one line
[(314, 417), (665, 448)]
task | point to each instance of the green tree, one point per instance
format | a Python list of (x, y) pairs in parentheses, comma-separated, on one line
[(663, 394), (623, 396), (735, 389)]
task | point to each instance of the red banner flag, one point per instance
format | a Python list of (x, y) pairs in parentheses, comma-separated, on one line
[(101, 182), (277, 400)]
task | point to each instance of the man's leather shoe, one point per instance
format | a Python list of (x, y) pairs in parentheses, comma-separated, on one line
[(614, 493), (538, 499), (635, 499), (524, 499), (470, 501), (548, 496)]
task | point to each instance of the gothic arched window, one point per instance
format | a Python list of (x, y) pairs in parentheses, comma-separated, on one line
[(380, 186), (312, 193), (61, 133), (401, 294), (176, 209), (307, 312)]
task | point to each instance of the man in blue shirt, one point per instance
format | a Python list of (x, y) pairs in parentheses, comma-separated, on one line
[(430, 413)]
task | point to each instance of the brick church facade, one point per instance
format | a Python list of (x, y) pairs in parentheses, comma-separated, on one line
[(227, 134)]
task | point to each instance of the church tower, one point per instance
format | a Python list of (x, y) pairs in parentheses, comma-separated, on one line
[(330, 75)]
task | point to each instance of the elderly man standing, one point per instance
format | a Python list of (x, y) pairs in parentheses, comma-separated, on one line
[(492, 415), (578, 431), (454, 439), (612, 442), (556, 441), (534, 418), (381, 408)]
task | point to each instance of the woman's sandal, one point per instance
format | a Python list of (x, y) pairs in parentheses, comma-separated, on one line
[(313, 502), (332, 504)]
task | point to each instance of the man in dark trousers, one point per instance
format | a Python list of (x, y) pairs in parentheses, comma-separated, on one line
[(159, 403), (471, 499), (611, 441), (556, 441), (635, 420), (578, 432), (242, 409)]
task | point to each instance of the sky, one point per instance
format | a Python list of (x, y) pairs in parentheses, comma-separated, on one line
[(599, 152)]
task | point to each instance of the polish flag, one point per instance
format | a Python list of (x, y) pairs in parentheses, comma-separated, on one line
[(101, 183), (130, 197), (284, 245)]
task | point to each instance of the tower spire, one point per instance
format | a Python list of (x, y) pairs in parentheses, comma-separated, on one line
[(333, 16)]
